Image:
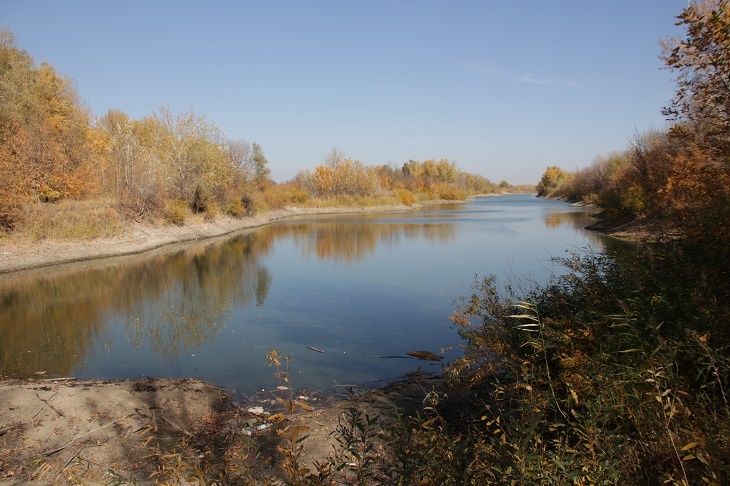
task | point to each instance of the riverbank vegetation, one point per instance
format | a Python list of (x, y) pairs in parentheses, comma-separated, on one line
[(167, 166)]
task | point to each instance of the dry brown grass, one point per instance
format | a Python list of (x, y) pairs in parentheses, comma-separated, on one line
[(77, 220)]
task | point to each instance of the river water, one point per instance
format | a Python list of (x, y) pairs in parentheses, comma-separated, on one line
[(363, 288)]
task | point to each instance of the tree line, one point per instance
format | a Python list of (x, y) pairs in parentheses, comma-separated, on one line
[(170, 165)]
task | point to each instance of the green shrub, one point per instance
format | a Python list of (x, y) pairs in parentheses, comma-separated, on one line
[(236, 209), (634, 200)]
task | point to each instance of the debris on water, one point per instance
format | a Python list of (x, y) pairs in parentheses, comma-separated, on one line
[(315, 349), (256, 410), (425, 355)]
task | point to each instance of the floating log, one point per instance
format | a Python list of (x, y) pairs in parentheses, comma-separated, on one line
[(425, 355), (315, 349)]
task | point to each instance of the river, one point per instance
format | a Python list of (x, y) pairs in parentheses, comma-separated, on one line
[(364, 289)]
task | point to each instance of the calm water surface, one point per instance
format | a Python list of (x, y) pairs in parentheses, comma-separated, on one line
[(358, 287)]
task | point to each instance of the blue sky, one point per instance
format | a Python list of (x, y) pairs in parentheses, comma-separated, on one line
[(505, 89)]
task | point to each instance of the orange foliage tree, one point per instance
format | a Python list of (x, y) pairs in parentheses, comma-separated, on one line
[(681, 176), (697, 184), (44, 130)]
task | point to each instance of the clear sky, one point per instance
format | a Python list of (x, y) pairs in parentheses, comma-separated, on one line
[(504, 88)]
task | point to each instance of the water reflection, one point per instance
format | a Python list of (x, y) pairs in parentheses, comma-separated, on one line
[(212, 309), (350, 242), (170, 301), (572, 219)]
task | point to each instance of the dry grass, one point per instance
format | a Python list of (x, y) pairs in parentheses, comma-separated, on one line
[(70, 220)]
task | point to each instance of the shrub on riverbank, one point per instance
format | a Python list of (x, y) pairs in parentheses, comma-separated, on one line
[(615, 372)]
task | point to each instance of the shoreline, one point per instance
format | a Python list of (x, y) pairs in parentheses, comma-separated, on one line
[(18, 256)]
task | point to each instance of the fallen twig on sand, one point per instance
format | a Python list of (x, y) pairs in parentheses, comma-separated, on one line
[(7, 429), (69, 461), (48, 402), (59, 449), (173, 425)]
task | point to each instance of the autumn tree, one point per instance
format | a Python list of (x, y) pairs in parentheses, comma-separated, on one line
[(413, 168), (178, 143), (701, 62), (334, 157), (551, 180), (239, 156), (132, 171), (340, 176), (44, 128), (697, 185)]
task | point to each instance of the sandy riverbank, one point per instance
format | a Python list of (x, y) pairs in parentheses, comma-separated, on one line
[(16, 255), (157, 431)]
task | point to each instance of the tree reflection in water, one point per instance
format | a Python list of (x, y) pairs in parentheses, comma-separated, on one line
[(170, 300)]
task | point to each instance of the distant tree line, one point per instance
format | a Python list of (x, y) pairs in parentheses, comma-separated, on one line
[(342, 176)]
